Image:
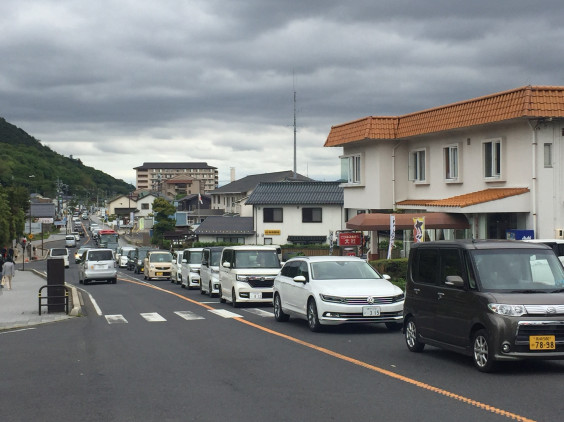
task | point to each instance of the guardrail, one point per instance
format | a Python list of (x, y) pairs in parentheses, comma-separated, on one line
[(54, 302)]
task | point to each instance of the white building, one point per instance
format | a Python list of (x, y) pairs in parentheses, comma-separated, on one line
[(496, 160)]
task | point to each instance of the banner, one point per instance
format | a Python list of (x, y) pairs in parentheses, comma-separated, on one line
[(418, 229), (392, 235)]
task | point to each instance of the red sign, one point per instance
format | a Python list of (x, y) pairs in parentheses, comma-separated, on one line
[(350, 239)]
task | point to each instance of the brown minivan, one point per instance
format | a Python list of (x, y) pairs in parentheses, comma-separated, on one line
[(494, 300)]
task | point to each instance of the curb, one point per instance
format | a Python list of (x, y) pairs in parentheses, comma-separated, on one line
[(76, 307)]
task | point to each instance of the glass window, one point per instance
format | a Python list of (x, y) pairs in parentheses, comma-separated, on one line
[(311, 215), (427, 266), (417, 166), (351, 169), (272, 215), (548, 155), (451, 162), (451, 264), (492, 158)]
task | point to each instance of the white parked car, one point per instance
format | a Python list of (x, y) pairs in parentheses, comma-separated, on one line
[(70, 241), (209, 271), (246, 274), (121, 255), (191, 269), (59, 253), (330, 290), (176, 272)]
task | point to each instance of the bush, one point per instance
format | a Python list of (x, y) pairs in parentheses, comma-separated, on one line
[(395, 268)]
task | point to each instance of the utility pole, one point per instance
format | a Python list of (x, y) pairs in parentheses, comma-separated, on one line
[(295, 159)]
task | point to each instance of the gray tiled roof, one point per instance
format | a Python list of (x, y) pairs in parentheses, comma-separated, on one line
[(248, 183), (225, 225), (147, 166), (300, 193)]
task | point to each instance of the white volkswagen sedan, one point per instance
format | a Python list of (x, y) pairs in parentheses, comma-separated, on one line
[(331, 290)]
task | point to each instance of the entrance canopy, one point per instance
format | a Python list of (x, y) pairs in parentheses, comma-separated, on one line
[(433, 220)]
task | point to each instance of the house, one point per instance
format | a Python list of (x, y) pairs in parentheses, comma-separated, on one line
[(122, 206), (230, 229), (231, 197), (145, 204), (180, 185), (193, 202), (296, 212), (481, 168)]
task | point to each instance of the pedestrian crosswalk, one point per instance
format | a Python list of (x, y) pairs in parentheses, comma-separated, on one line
[(186, 315)]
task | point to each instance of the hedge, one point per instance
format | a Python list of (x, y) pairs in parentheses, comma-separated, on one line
[(395, 268)]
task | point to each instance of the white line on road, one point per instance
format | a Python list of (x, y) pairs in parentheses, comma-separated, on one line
[(225, 314), (153, 317), (259, 312), (96, 307), (115, 319), (188, 316), (15, 331)]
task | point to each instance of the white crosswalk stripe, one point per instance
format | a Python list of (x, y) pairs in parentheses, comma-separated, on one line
[(115, 319), (188, 316), (259, 312), (225, 314), (153, 317)]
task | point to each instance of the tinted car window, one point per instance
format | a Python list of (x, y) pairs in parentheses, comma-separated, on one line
[(290, 269), (427, 264), (100, 256), (451, 264)]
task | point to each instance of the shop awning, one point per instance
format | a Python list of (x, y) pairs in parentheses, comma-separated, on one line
[(433, 220)]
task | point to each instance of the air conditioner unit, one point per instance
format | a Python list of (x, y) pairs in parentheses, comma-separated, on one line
[(559, 233)]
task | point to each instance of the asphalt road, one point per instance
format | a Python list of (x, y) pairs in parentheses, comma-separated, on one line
[(185, 361)]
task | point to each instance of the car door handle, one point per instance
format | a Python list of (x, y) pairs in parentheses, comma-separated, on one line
[(416, 291), (440, 295)]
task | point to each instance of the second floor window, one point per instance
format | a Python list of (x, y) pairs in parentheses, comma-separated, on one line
[(417, 165), (272, 215), (451, 162), (492, 158), (144, 206), (351, 169), (311, 215)]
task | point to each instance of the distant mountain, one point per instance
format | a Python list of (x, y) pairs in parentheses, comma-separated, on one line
[(24, 161)]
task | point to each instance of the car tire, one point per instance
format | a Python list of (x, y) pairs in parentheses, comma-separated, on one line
[(183, 286), (178, 279), (85, 282), (221, 298), (394, 326), (411, 340), (144, 276), (234, 300), (210, 289), (114, 280), (202, 292), (312, 316), (481, 353), (279, 314)]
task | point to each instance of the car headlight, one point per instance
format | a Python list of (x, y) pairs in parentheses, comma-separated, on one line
[(242, 277), (332, 299), (508, 310)]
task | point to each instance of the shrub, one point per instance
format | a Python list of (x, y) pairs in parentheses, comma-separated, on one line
[(395, 268)]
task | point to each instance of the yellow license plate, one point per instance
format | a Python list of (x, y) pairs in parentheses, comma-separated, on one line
[(159, 274), (542, 343)]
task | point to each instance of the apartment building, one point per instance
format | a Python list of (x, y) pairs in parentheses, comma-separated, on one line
[(152, 176)]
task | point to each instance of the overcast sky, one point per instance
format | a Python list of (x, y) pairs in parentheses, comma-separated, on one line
[(120, 82)]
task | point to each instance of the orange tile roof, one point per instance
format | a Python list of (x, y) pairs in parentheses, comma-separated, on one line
[(473, 198), (523, 102)]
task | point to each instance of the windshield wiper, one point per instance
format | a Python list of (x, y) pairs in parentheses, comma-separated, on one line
[(557, 291), (528, 291)]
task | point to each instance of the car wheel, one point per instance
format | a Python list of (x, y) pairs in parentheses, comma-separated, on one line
[(482, 356), (178, 279), (210, 289), (85, 282), (234, 299), (221, 299), (279, 314), (202, 292), (394, 326), (312, 317), (145, 276), (172, 280), (114, 280), (413, 343), (183, 286)]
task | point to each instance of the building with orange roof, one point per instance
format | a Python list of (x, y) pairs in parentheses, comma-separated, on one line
[(495, 160)]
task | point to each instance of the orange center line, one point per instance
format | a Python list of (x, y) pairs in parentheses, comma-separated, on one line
[(354, 361)]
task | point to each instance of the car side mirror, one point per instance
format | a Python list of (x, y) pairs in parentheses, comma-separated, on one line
[(78, 260), (184, 261), (454, 281), (226, 264), (299, 279), (386, 277)]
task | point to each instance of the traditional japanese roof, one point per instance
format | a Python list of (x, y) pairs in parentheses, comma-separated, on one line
[(248, 183), (524, 102), (297, 193), (467, 199), (214, 225)]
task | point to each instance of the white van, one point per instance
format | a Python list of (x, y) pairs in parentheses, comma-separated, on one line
[(191, 262), (557, 246), (70, 241), (209, 271), (246, 274)]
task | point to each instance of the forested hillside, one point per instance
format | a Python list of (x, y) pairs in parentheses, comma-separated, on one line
[(22, 156)]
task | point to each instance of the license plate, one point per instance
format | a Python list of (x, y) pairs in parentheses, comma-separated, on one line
[(370, 311), (542, 343), (256, 295), (159, 274)]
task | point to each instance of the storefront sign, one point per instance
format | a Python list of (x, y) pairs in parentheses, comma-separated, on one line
[(350, 239), (272, 232)]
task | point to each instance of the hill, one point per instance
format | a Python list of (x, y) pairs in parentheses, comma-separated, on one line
[(22, 156)]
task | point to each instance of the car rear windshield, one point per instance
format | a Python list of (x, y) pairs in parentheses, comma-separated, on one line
[(518, 270), (58, 252), (256, 259), (343, 270), (100, 256), (160, 257)]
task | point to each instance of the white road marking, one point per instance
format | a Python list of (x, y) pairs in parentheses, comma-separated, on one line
[(153, 317), (259, 312), (16, 331), (96, 307), (188, 316), (115, 319), (225, 314)]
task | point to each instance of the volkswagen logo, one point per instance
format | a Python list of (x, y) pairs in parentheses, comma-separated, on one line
[(370, 300), (551, 310)]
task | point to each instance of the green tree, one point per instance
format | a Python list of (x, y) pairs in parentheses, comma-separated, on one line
[(164, 219)]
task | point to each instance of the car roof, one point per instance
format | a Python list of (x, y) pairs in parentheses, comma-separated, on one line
[(481, 244), (253, 247), (326, 258)]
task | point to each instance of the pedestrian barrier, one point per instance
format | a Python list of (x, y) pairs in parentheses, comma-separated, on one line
[(54, 302)]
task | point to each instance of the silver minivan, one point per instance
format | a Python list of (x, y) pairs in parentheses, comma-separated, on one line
[(97, 265)]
